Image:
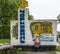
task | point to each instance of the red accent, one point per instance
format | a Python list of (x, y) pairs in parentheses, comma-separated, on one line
[(37, 43)]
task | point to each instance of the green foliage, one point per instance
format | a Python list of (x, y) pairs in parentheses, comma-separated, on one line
[(1, 52), (30, 17), (58, 34), (2, 41), (8, 11), (58, 48), (21, 52), (8, 8), (58, 18), (19, 49), (52, 52)]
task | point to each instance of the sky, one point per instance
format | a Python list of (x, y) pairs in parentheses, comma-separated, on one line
[(41, 9), (44, 9)]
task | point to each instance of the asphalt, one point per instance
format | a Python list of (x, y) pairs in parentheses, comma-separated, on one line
[(37, 52)]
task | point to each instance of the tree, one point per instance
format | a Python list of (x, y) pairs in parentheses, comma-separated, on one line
[(58, 18), (58, 33), (8, 8), (30, 17), (8, 11)]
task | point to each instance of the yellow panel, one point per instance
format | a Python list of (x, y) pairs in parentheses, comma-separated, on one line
[(47, 27), (50, 30), (23, 4), (38, 30)]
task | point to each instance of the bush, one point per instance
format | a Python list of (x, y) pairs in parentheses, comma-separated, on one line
[(58, 48), (19, 49)]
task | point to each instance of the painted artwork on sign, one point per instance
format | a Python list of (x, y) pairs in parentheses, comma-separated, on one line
[(15, 31), (38, 29), (23, 3)]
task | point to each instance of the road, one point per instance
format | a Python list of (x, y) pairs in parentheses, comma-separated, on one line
[(42, 52), (37, 53), (8, 46), (57, 52)]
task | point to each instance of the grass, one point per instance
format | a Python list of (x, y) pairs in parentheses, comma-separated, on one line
[(51, 52), (1, 52), (2, 41), (21, 52), (58, 48), (19, 49), (58, 42), (24, 52)]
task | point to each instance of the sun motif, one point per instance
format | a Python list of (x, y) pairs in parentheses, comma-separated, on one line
[(15, 31), (23, 4)]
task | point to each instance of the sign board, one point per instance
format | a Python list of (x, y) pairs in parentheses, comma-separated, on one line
[(14, 32), (22, 24), (32, 32), (44, 30)]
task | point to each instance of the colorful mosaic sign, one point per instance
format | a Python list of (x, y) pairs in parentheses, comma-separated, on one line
[(32, 32), (15, 31), (23, 4), (38, 28)]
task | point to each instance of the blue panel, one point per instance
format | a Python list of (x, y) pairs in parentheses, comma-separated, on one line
[(22, 11), (22, 26), (22, 33), (42, 38), (22, 37), (22, 30), (22, 22), (22, 41), (22, 15), (22, 18)]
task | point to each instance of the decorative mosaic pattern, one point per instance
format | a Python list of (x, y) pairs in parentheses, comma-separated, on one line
[(23, 4), (15, 31), (38, 28)]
